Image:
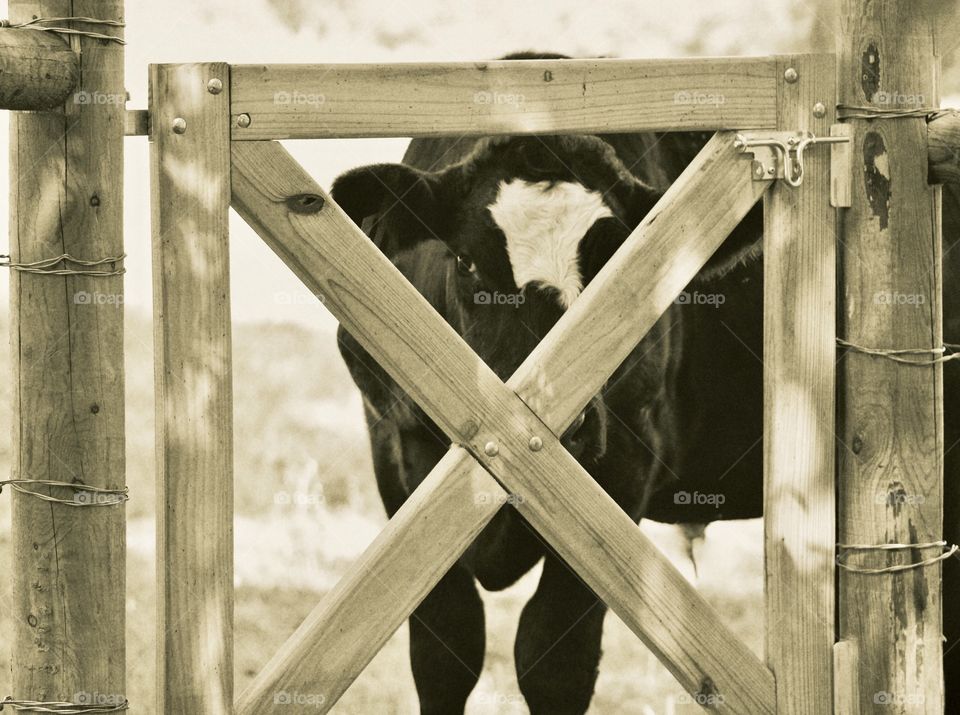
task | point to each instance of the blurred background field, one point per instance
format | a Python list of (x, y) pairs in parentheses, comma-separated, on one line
[(306, 502)]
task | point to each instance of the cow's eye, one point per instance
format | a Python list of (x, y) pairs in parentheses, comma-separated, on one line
[(465, 265)]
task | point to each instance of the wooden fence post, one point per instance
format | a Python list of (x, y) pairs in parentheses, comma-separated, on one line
[(799, 357), (190, 167), (891, 455), (66, 193)]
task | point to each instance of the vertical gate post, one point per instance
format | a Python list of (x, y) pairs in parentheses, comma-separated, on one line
[(66, 193), (799, 354), (891, 451), (190, 178)]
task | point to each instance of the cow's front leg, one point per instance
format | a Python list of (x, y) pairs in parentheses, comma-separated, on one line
[(557, 650), (447, 642)]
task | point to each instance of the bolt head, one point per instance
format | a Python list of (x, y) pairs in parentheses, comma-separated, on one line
[(491, 449), (215, 86), (536, 444), (243, 121), (790, 74), (819, 110), (179, 125)]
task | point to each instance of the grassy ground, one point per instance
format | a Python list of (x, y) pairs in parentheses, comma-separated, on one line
[(631, 679)]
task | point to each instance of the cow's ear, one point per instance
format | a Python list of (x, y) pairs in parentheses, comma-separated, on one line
[(395, 204)]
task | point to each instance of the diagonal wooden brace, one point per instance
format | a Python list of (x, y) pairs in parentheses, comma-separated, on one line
[(430, 361)]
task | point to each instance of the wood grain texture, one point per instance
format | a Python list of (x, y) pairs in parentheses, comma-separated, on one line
[(38, 70), (136, 123), (846, 697), (191, 198), (503, 97), (891, 456), (389, 580), (430, 361), (799, 353), (69, 576)]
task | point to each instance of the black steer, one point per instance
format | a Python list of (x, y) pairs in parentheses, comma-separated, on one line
[(500, 235)]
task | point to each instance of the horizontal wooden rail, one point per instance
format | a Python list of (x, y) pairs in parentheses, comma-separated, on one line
[(136, 123), (38, 70), (502, 97), (470, 403), (943, 148)]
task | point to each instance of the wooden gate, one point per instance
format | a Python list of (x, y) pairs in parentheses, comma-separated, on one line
[(214, 132)]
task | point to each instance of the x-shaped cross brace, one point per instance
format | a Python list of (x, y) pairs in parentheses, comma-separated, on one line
[(397, 326)]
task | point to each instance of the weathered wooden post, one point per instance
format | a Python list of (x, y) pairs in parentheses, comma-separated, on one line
[(798, 352), (891, 456), (190, 160), (67, 346)]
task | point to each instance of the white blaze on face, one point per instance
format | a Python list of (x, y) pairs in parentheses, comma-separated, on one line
[(544, 225)]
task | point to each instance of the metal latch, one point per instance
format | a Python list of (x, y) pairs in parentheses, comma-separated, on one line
[(779, 155)]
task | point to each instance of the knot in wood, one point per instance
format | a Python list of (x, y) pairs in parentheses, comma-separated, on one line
[(305, 203)]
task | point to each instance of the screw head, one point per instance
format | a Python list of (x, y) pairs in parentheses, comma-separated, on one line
[(243, 121), (536, 444), (819, 110), (179, 125), (491, 449), (215, 86), (790, 74)]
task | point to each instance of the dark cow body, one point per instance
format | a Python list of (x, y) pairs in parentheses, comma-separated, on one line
[(681, 416)]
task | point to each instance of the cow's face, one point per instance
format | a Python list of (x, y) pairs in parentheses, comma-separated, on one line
[(504, 242)]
